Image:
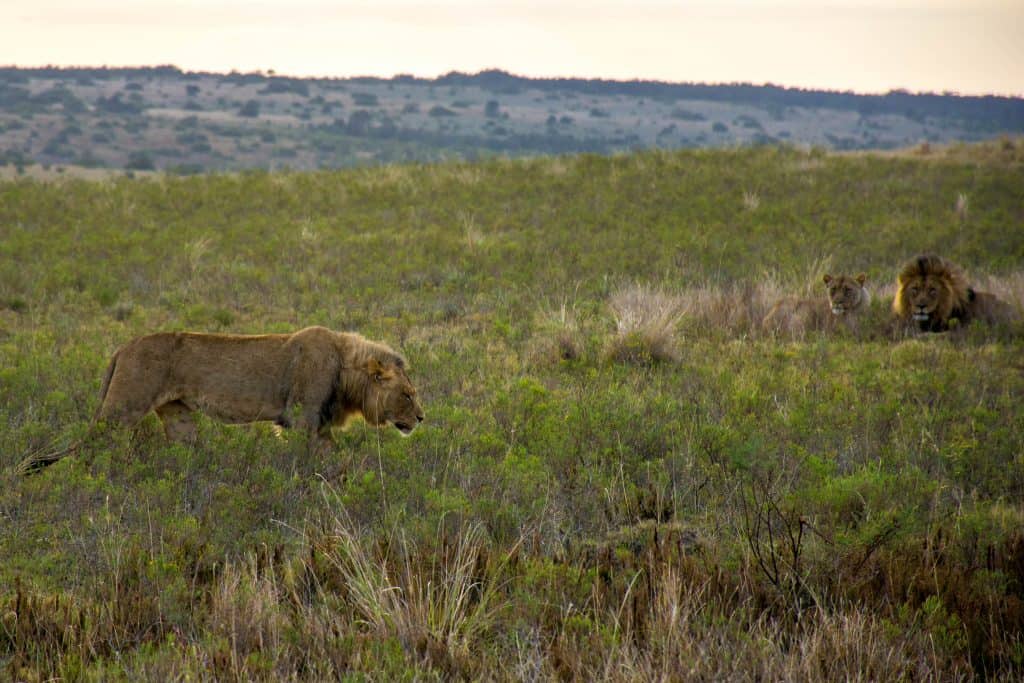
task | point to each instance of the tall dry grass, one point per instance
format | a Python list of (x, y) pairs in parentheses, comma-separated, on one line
[(672, 623), (559, 335), (738, 309), (440, 603), (646, 322), (735, 310), (247, 611), (650, 320), (1009, 288)]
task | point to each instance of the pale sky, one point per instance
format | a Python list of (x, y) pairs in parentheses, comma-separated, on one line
[(966, 46)]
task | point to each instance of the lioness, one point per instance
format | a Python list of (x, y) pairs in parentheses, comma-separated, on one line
[(847, 298), (311, 380), (932, 291)]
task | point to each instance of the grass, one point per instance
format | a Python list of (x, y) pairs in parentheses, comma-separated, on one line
[(645, 325), (438, 604), (837, 506)]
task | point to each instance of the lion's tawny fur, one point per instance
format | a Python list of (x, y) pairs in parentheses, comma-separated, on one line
[(312, 380), (846, 298)]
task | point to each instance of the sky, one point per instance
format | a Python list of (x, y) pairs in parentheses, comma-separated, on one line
[(967, 46)]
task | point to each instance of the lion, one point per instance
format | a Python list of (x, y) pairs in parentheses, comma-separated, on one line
[(310, 380), (933, 293), (847, 299)]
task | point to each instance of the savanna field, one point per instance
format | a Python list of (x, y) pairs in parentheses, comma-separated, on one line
[(620, 477)]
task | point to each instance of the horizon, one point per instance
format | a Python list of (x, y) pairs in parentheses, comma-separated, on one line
[(272, 73), (862, 46)]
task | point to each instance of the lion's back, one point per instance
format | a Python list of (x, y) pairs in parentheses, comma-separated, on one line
[(232, 372), (795, 316), (989, 308)]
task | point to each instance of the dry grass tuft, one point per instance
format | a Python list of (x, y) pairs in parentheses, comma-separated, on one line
[(751, 201), (961, 206), (475, 238), (245, 609), (736, 309), (558, 337), (438, 602), (646, 320)]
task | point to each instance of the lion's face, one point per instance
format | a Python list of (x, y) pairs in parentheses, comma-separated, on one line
[(391, 398), (845, 293), (931, 291), (927, 298)]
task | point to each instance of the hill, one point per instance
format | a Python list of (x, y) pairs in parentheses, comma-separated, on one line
[(164, 118), (620, 477)]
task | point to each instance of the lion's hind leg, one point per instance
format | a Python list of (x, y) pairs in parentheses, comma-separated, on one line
[(178, 422), (128, 392)]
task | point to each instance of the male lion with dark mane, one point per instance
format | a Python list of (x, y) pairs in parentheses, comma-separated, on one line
[(847, 299), (311, 380), (932, 291)]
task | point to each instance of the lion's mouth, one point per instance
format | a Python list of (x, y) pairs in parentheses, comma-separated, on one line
[(838, 310), (920, 316), (405, 428)]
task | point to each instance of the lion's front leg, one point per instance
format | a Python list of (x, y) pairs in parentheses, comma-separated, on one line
[(178, 422), (322, 443), (324, 449)]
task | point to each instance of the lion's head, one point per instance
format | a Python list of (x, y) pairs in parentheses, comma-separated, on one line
[(930, 291), (390, 397), (846, 294)]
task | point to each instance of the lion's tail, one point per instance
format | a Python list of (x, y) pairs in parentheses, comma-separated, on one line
[(39, 461), (104, 387)]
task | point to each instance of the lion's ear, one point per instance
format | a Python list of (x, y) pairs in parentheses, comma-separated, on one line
[(374, 368), (862, 277), (827, 279)]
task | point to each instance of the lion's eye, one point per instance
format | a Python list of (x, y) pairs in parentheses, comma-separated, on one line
[(931, 292)]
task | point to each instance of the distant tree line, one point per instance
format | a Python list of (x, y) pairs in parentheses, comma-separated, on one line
[(361, 124), (1004, 113), (985, 112), (15, 73)]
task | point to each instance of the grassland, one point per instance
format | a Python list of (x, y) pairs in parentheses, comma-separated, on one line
[(591, 497)]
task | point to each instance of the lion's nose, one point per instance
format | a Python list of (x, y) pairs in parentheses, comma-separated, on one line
[(419, 418)]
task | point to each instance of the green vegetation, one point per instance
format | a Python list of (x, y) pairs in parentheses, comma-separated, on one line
[(620, 477), (250, 109), (372, 120)]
